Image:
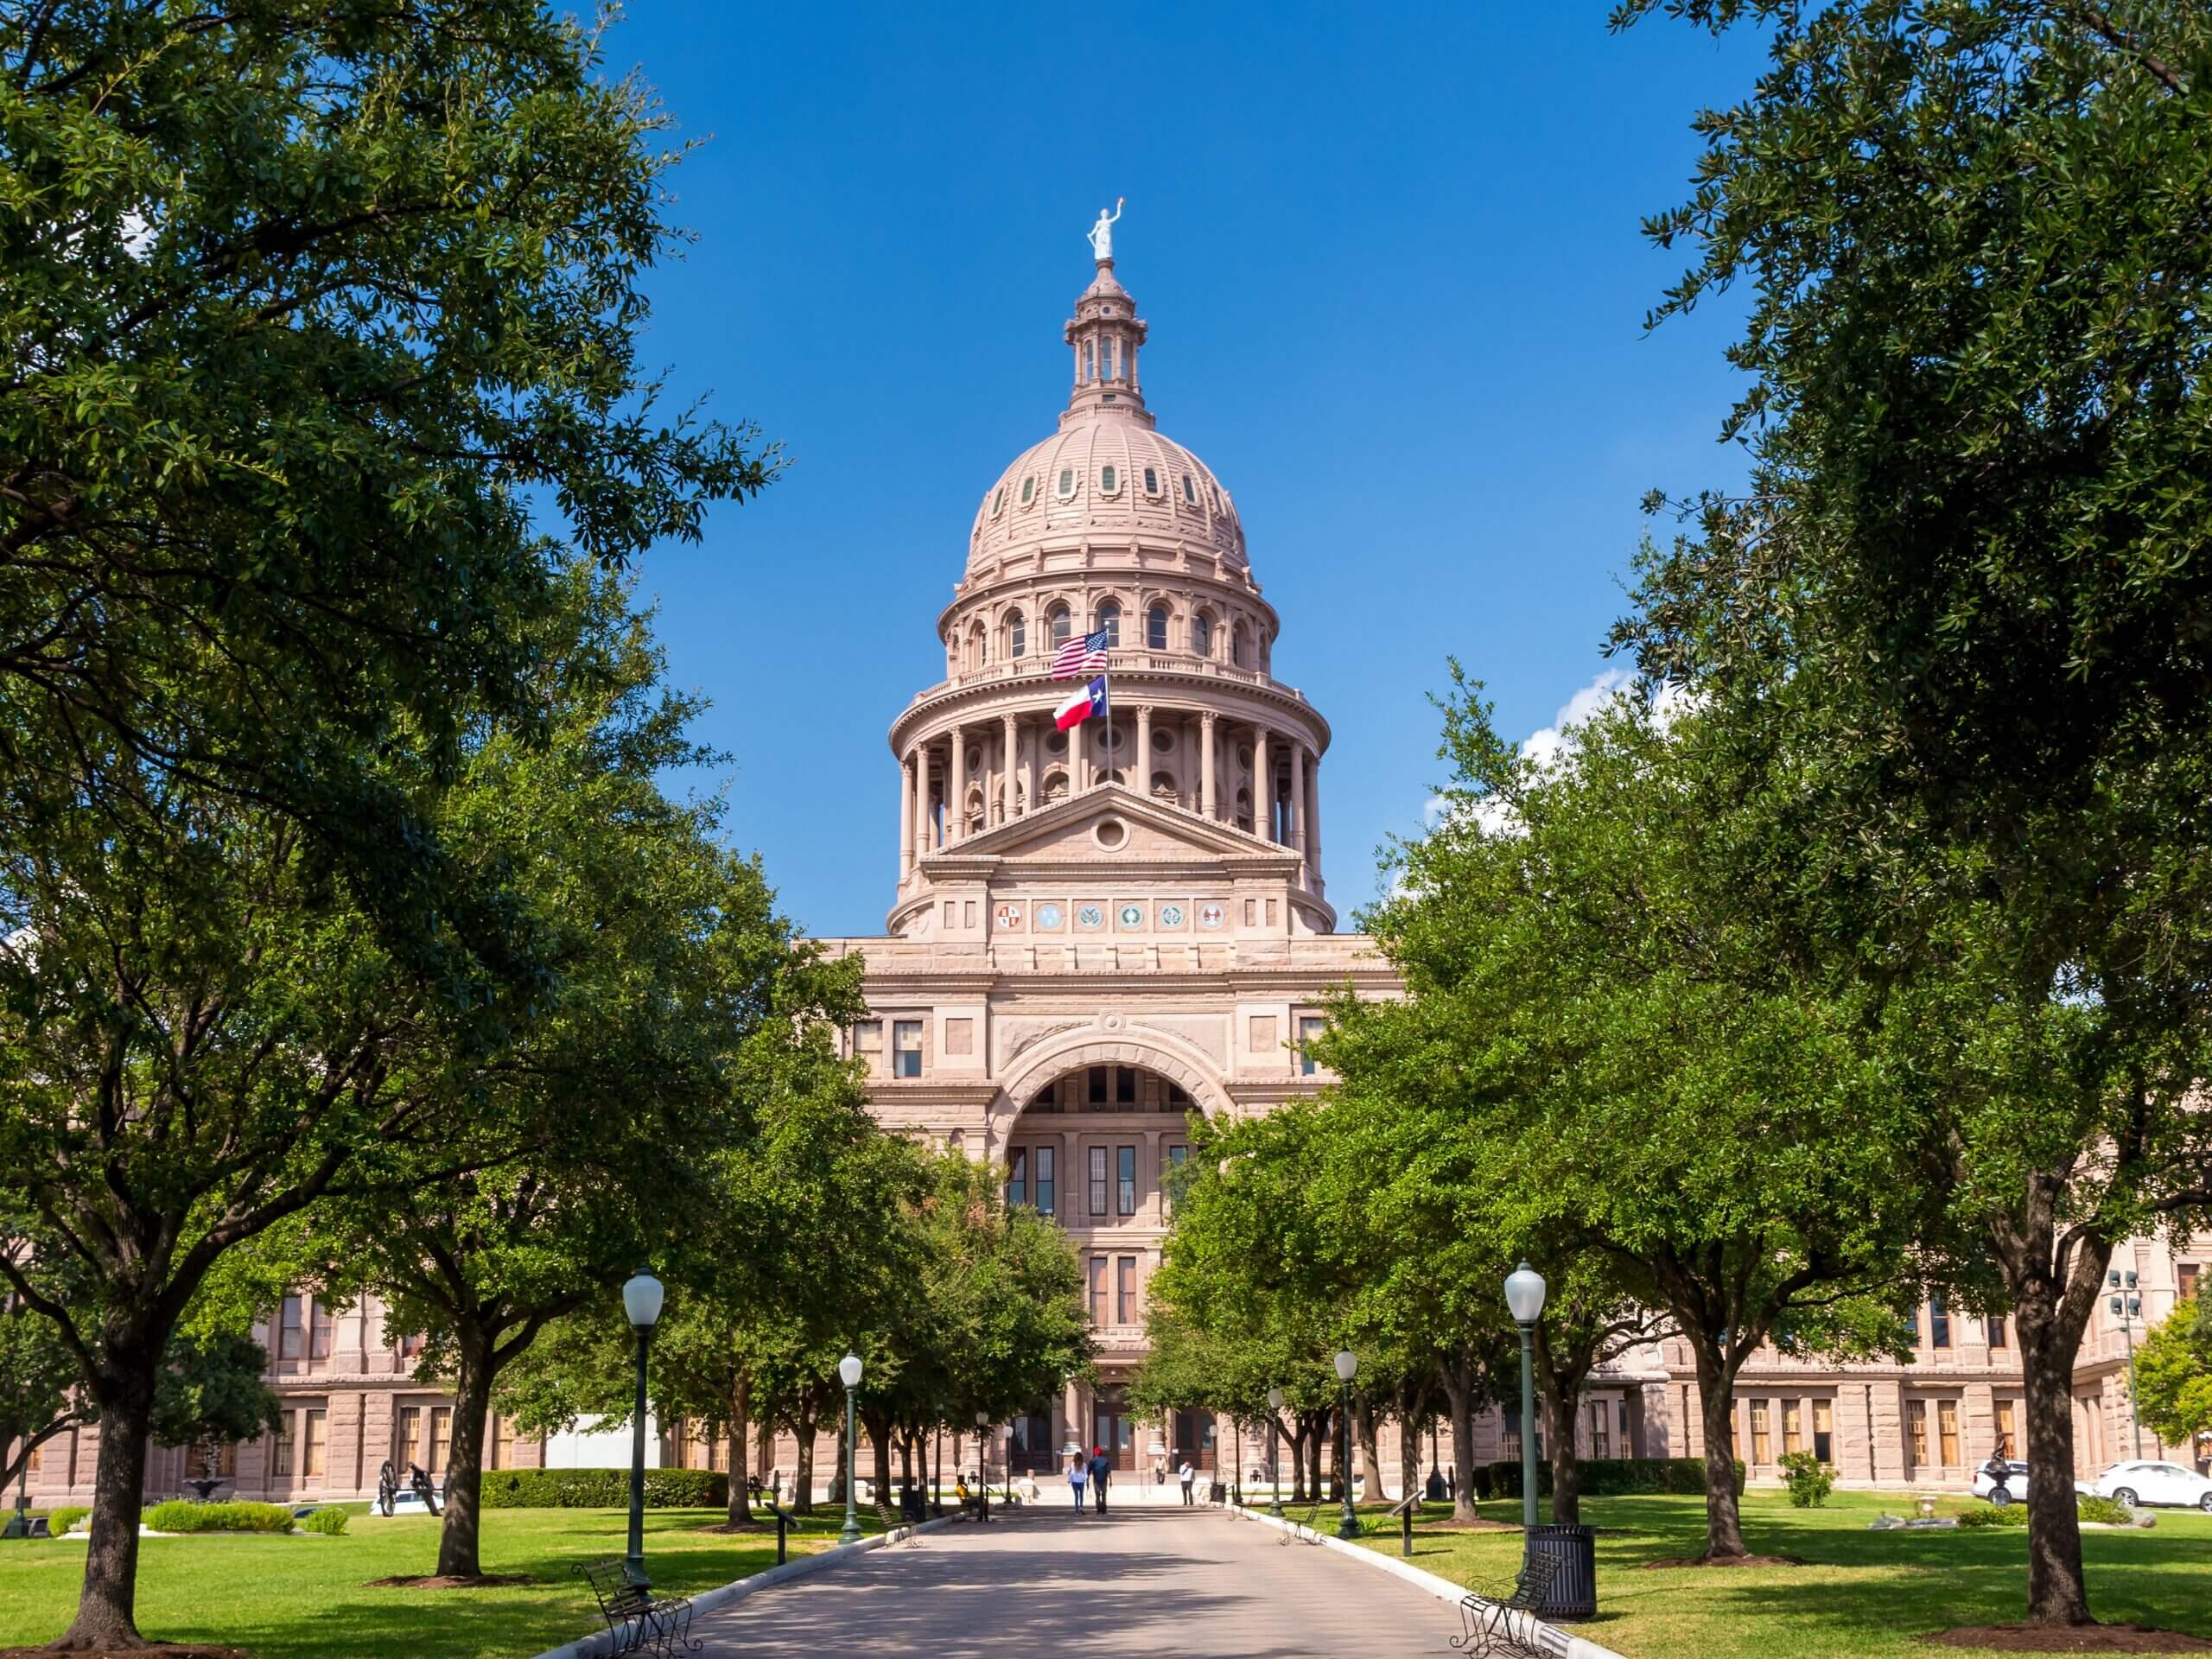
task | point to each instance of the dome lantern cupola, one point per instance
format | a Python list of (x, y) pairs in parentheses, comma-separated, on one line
[(1106, 334)]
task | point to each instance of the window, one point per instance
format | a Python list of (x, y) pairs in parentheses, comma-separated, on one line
[(1125, 1086), (318, 1329), (1095, 1083), (280, 1447), (36, 1461), (1824, 1430), (1309, 1029), (2007, 1437), (1994, 1328), (1028, 490), (1098, 1180), (1237, 644), (2184, 1280), (1915, 1423), (1151, 480), (1067, 482), (1110, 619), (998, 501), (1176, 1157), (503, 1442), (1017, 635), (1109, 480), (440, 1437), (906, 1048), (1202, 635), (1155, 628), (407, 1436), (223, 1466), (1601, 1435), (1125, 1187), (315, 1434), (1017, 1178), (867, 1042), (1793, 1426), (1190, 494), (1125, 1290), (1058, 619), (1939, 1322), (1762, 1440), (1947, 1431), (1098, 1290), (1045, 1180), (411, 1345), (290, 1330)]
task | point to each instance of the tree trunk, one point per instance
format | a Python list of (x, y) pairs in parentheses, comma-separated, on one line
[(1559, 1391), (1716, 1384), (763, 1453), (1408, 1455), (1459, 1389), (1317, 1430), (460, 1529), (107, 1605), (1370, 1449), (741, 1431), (803, 1490), (1294, 1438)]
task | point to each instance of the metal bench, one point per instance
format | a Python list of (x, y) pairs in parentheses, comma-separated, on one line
[(1485, 1611), (639, 1621)]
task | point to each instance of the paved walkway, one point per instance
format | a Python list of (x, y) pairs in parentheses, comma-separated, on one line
[(1157, 1582)]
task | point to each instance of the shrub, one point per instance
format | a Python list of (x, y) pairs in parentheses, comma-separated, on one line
[(65, 1517), (2107, 1511), (603, 1489), (177, 1516), (1991, 1515), (1603, 1477), (1809, 1480), (328, 1522)]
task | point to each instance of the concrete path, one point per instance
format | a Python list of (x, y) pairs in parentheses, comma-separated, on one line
[(1157, 1582)]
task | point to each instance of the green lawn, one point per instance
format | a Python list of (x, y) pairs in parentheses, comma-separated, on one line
[(1863, 1595), (306, 1597)]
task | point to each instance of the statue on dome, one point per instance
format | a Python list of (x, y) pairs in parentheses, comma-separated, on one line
[(1100, 235)]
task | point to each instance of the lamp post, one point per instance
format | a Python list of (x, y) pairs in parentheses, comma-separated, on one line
[(1524, 1300), (641, 1300), (982, 1461), (1006, 1458), (849, 1373), (1274, 1465), (1347, 1368), (2127, 1309), (1435, 1488)]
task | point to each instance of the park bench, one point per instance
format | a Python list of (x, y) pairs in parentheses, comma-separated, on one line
[(1486, 1612), (639, 1622)]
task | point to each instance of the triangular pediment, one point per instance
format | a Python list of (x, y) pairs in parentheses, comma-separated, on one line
[(1082, 829)]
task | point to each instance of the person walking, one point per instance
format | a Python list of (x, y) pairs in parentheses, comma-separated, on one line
[(1078, 1471), (1187, 1475), (1099, 1470)]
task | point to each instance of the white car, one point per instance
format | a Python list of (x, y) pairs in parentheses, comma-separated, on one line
[(2001, 1484), (2134, 1483)]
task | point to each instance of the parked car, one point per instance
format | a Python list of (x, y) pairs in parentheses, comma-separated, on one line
[(2001, 1480), (2141, 1483)]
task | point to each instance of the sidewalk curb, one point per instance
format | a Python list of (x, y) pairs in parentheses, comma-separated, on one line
[(1546, 1639), (595, 1644)]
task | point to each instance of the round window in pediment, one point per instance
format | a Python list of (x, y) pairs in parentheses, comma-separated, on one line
[(1111, 834)]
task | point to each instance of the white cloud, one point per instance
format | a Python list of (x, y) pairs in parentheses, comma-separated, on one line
[(1547, 745)]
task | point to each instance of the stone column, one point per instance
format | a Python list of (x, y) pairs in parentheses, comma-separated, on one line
[(906, 819), (1143, 779), (1313, 823), (1263, 787), (955, 789), (1009, 740), (1298, 797), (1205, 763), (922, 826)]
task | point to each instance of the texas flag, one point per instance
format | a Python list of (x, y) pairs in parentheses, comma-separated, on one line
[(1090, 701)]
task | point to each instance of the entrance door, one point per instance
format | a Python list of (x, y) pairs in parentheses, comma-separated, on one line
[(1112, 1426), (1194, 1438)]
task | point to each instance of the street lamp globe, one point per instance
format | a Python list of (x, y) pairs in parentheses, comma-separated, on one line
[(641, 1299), (1348, 1361), (983, 1421), (1524, 1294), (849, 1370), (1275, 1399)]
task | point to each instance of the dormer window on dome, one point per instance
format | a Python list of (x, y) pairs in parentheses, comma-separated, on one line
[(1189, 492), (1151, 482), (1067, 483), (1109, 482), (1028, 490), (998, 502)]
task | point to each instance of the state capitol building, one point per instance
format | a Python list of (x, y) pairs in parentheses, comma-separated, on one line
[(1097, 933)]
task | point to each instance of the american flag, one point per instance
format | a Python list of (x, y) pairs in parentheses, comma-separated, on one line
[(1080, 655)]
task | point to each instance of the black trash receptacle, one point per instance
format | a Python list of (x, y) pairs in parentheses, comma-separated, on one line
[(1573, 1592)]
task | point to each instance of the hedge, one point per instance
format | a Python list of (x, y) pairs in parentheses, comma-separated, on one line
[(65, 1517), (328, 1522), (177, 1516), (603, 1489), (1604, 1477)]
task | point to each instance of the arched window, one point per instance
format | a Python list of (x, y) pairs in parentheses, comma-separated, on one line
[(1067, 482), (1109, 481), (1237, 644), (998, 501), (1151, 481), (1189, 492), (1202, 634), (1028, 489), (1017, 636), (1110, 618), (976, 655), (1155, 628), (1055, 786), (1058, 618), (1163, 785)]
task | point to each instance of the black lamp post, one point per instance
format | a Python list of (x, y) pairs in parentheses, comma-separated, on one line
[(1435, 1489), (641, 1300), (1524, 1300), (1347, 1368), (2128, 1309), (849, 1373), (1274, 1464)]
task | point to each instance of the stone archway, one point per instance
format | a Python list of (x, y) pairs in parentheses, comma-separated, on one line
[(1148, 1051)]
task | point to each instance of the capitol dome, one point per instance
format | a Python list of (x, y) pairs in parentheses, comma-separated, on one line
[(1107, 473)]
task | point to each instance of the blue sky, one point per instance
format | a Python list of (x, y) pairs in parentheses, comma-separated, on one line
[(1390, 258)]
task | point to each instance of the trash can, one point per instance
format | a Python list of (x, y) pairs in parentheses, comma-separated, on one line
[(1573, 1592)]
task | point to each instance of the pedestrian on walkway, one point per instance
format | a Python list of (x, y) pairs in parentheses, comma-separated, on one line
[(1099, 1470), (1188, 1475), (1078, 1470)]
